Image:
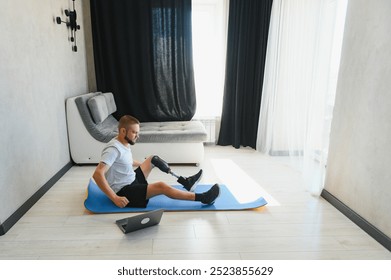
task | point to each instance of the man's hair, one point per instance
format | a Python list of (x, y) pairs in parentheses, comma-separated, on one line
[(127, 121)]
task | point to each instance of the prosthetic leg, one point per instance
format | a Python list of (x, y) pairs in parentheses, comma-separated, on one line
[(189, 183)]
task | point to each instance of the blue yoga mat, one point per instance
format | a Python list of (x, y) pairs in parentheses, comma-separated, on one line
[(97, 202)]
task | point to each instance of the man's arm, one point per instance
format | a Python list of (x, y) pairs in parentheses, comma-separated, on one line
[(100, 180)]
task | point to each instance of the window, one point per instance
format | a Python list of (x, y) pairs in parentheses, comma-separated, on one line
[(209, 23)]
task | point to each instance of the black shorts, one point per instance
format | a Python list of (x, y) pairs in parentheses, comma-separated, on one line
[(136, 192)]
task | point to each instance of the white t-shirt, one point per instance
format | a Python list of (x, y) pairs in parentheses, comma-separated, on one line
[(119, 159)]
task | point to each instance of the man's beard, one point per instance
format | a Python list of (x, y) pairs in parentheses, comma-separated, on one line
[(131, 142)]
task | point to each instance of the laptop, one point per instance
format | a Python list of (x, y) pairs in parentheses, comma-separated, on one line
[(140, 221)]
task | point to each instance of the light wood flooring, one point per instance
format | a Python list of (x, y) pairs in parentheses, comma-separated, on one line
[(295, 225)]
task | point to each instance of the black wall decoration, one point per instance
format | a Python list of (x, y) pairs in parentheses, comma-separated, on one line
[(72, 24)]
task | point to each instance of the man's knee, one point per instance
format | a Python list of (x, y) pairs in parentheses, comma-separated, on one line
[(157, 188)]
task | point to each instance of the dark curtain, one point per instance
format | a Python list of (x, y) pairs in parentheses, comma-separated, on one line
[(248, 28), (143, 54)]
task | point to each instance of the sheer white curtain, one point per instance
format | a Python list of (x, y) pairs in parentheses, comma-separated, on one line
[(209, 27), (301, 72)]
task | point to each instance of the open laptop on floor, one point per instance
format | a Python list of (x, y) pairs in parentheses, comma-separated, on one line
[(140, 221)]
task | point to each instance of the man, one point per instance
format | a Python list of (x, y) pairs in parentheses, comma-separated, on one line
[(127, 187)]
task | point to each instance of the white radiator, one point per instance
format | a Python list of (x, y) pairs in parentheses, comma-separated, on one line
[(210, 127)]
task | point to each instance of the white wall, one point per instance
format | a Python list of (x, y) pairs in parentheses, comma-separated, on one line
[(38, 71), (358, 172)]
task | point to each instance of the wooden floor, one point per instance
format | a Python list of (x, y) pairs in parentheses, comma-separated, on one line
[(294, 225)]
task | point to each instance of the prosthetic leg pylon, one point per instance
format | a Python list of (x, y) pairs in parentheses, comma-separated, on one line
[(189, 183)]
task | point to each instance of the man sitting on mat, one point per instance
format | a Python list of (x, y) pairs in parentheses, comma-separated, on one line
[(127, 187)]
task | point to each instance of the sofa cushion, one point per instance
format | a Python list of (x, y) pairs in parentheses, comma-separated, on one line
[(98, 108), (110, 102), (101, 106), (172, 132), (104, 131)]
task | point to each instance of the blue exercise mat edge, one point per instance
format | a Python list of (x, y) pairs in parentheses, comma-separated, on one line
[(97, 202)]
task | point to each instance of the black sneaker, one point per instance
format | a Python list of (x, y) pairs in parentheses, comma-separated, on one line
[(190, 183), (210, 196)]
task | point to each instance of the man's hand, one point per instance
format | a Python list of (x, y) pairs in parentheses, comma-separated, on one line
[(120, 201), (100, 180)]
